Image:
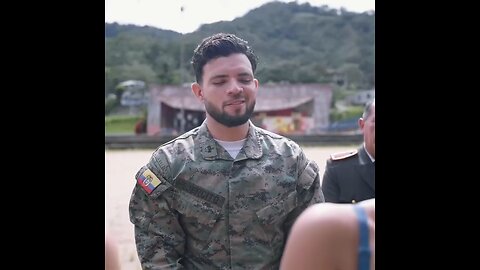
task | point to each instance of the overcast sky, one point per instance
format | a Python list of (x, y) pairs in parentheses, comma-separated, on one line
[(167, 14)]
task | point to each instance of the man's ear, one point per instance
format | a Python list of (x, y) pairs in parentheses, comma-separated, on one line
[(197, 91), (361, 123)]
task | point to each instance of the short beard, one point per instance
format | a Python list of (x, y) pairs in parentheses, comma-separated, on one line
[(227, 120)]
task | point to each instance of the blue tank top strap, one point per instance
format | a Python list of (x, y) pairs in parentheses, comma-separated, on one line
[(364, 247)]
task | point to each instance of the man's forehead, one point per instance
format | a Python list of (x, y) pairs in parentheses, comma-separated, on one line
[(233, 64)]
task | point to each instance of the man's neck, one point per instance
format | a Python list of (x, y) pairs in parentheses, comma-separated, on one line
[(224, 133)]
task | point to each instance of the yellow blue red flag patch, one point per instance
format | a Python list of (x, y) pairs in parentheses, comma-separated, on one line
[(148, 181)]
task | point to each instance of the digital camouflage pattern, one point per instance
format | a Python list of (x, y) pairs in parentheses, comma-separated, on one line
[(211, 211)]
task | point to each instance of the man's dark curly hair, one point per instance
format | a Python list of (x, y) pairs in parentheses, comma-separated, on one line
[(217, 45)]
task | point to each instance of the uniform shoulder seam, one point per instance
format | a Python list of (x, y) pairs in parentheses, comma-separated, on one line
[(270, 134), (343, 155), (180, 137)]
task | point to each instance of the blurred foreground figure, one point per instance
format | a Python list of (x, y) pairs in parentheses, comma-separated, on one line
[(112, 260), (330, 236)]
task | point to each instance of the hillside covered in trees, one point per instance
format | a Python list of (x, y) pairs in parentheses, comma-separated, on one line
[(296, 43)]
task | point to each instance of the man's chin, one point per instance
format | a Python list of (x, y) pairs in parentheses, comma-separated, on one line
[(235, 123)]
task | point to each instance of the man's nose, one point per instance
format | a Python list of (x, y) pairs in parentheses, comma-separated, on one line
[(235, 88)]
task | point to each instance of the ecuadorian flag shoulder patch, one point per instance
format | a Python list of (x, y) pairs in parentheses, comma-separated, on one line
[(148, 181)]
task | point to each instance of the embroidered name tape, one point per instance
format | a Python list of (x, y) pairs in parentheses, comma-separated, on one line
[(148, 181)]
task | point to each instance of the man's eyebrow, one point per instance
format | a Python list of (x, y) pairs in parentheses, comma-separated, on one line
[(245, 74), (221, 76)]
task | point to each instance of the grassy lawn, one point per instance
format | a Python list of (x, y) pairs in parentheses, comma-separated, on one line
[(120, 124)]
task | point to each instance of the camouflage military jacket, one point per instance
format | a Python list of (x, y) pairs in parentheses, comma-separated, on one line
[(195, 207)]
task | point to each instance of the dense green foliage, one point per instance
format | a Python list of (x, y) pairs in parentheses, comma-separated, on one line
[(351, 112), (295, 43), (121, 124)]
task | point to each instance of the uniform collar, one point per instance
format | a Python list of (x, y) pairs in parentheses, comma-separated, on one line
[(210, 149), (370, 156)]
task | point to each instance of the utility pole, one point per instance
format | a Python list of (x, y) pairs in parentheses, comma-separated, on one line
[(182, 111)]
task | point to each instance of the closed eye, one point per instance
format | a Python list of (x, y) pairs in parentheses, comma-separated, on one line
[(246, 81), (218, 82)]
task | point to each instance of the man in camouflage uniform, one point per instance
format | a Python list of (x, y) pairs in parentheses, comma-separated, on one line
[(349, 177), (225, 194)]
